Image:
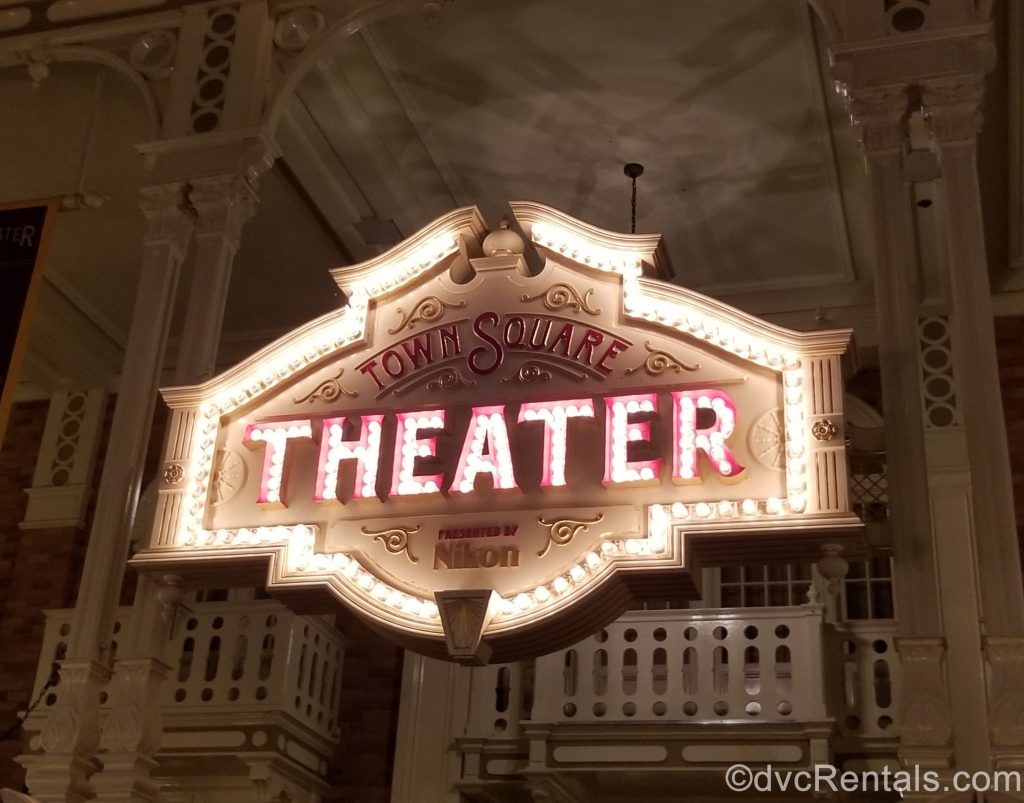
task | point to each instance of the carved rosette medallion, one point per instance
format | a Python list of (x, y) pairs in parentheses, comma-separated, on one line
[(173, 474), (824, 430), (564, 296), (427, 310), (395, 540), (766, 440), (228, 476), (562, 531), (658, 362), (328, 390)]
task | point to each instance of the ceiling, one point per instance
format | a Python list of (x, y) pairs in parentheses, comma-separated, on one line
[(752, 172), (723, 104)]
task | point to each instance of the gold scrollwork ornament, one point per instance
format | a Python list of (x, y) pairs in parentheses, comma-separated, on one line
[(563, 531), (561, 296), (395, 540), (450, 378), (427, 310), (659, 361), (328, 390)]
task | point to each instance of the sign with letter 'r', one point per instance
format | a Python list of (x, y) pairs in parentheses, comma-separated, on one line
[(24, 231), (500, 441)]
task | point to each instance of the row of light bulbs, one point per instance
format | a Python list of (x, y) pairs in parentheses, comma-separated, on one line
[(350, 325)]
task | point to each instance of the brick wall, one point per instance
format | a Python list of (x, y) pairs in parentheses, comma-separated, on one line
[(38, 569), (371, 687)]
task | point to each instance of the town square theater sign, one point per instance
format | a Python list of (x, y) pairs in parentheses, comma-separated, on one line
[(499, 442)]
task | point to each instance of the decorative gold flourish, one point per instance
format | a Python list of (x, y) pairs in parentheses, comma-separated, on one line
[(449, 378), (824, 430), (395, 539), (427, 309), (658, 362), (562, 295), (562, 531), (540, 371), (529, 372), (328, 390)]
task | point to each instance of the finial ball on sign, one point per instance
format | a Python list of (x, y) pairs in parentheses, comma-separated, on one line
[(503, 242)]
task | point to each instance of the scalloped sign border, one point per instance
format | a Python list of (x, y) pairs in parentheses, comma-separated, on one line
[(592, 558)]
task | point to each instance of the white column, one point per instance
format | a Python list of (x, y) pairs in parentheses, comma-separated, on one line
[(168, 228), (217, 146), (221, 204), (953, 107), (435, 699), (71, 736), (947, 447), (926, 724)]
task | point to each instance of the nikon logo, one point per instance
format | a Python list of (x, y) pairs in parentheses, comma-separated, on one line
[(464, 555)]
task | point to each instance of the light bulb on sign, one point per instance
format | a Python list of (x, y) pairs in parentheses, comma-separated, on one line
[(274, 436), (555, 416), (620, 431), (486, 429), (690, 438), (365, 450), (410, 446)]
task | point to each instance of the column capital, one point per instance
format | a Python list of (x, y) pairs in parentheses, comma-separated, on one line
[(952, 106), (167, 216), (879, 114), (222, 204)]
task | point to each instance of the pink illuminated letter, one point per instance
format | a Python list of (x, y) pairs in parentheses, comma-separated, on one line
[(410, 446), (688, 437), (620, 432), (555, 416), (486, 450), (365, 450), (274, 435)]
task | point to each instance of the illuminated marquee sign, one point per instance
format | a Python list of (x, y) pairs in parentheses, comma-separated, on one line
[(487, 455)]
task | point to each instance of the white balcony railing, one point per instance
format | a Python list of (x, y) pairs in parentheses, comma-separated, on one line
[(234, 659), (237, 664), (872, 679), (691, 666), (701, 666)]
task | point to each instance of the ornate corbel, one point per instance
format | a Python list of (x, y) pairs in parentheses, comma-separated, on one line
[(222, 204), (168, 216), (879, 114), (952, 106)]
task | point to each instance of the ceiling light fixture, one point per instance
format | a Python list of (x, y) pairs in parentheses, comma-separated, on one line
[(80, 198), (633, 171)]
